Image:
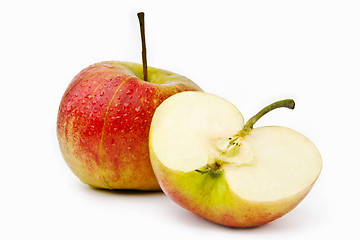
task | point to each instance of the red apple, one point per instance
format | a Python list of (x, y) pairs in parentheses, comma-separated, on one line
[(104, 120)]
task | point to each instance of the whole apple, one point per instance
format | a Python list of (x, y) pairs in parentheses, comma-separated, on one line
[(104, 120)]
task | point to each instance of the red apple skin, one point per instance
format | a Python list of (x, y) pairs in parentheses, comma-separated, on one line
[(104, 120)]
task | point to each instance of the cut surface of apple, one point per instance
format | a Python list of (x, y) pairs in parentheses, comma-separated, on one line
[(280, 162), (186, 139), (196, 135)]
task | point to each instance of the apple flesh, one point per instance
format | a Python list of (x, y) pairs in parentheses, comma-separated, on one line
[(104, 120), (207, 162)]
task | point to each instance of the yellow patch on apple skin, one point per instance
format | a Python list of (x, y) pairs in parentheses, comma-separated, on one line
[(77, 160), (101, 148)]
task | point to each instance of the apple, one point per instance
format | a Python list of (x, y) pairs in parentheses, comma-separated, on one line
[(209, 162), (104, 120)]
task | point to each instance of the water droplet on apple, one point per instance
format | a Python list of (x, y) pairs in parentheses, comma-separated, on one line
[(69, 106), (102, 93), (113, 142), (126, 104), (137, 108), (89, 96)]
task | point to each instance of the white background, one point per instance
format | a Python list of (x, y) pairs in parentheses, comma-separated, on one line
[(249, 52)]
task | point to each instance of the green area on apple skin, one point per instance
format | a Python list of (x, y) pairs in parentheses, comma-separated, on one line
[(155, 75), (209, 196)]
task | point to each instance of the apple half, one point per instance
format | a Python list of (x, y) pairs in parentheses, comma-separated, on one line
[(209, 162)]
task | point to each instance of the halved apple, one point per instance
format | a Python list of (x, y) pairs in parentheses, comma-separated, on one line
[(209, 162)]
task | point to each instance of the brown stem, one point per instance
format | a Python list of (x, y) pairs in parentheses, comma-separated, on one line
[(288, 103), (142, 31)]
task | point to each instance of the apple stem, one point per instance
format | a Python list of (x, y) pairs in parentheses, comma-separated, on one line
[(142, 32), (288, 103)]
